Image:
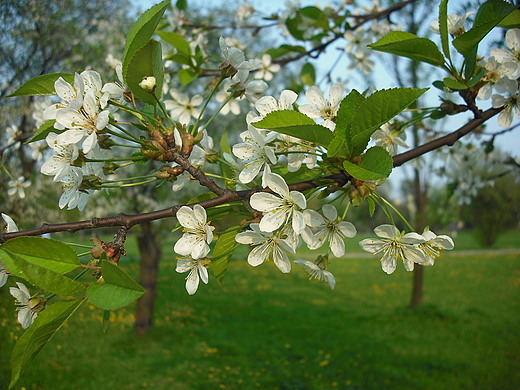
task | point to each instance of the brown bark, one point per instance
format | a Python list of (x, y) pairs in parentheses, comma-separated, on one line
[(150, 252)]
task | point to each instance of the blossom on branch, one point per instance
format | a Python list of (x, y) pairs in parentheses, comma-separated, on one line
[(28, 308), (197, 269), (285, 207), (254, 153), (321, 108), (434, 244), (198, 233), (268, 247), (61, 161), (318, 270), (329, 229), (395, 245)]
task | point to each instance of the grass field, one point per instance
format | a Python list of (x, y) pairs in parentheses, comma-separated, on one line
[(266, 330)]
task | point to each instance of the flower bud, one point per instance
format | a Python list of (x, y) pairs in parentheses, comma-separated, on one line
[(148, 84)]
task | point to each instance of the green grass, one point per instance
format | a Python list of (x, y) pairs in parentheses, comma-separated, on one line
[(266, 330)]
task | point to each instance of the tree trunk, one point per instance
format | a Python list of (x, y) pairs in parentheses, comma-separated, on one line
[(150, 252)]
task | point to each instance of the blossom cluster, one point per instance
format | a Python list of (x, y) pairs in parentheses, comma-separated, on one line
[(80, 116), (502, 72)]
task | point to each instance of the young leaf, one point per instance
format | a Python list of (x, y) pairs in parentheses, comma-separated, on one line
[(443, 28), (142, 30), (223, 251), (342, 142), (45, 252), (44, 130), (489, 15), (406, 44), (176, 40), (147, 61), (378, 109), (308, 74), (118, 289), (48, 322), (42, 85), (371, 205), (296, 124), (186, 76), (375, 164)]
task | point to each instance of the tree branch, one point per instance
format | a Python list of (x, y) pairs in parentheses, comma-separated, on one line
[(227, 196)]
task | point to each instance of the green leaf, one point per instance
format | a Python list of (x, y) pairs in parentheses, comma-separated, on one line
[(443, 27), (295, 124), (342, 141), (511, 21), (186, 76), (283, 50), (141, 32), (48, 322), (489, 15), (408, 45), (45, 252), (44, 130), (223, 251), (454, 85), (176, 40), (117, 291), (308, 74), (378, 109), (181, 5), (42, 85), (106, 320), (371, 205), (375, 164), (147, 61)]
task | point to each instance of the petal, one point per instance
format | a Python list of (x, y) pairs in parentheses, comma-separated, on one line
[(264, 202), (298, 223), (388, 263), (186, 217), (299, 199), (200, 214), (258, 255), (370, 245), (273, 220), (337, 245), (315, 97), (386, 231), (277, 184), (444, 242), (330, 212), (192, 282), (347, 229), (281, 260), (25, 317), (313, 218)]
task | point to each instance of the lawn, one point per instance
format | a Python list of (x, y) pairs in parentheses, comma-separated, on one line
[(266, 330)]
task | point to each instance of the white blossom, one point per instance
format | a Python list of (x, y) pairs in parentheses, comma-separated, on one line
[(455, 24), (18, 186), (182, 108), (510, 57), (284, 207), (235, 59), (254, 153), (267, 247), (82, 123), (510, 102), (388, 138), (267, 69), (329, 229), (321, 108), (73, 196), (71, 97), (198, 234), (197, 271), (434, 244), (28, 308), (61, 161), (395, 245), (317, 270)]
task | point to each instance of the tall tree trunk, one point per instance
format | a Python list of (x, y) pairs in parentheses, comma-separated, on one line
[(150, 252)]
